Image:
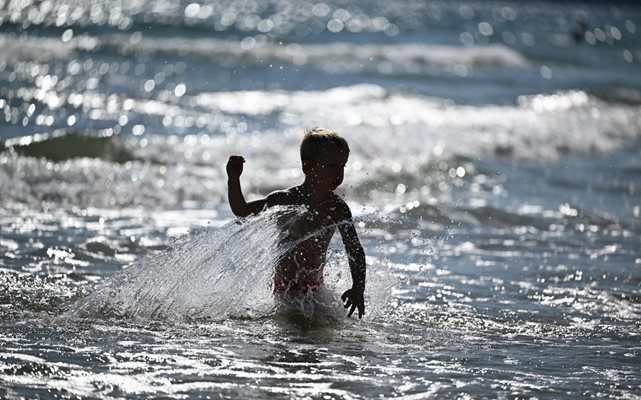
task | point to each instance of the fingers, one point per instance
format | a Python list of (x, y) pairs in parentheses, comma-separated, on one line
[(354, 301), (361, 310), (349, 303), (352, 311)]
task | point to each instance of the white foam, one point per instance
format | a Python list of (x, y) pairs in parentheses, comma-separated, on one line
[(402, 131), (299, 53), (401, 56), (14, 48), (294, 102)]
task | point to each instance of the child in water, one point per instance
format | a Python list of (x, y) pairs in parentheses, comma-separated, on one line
[(324, 154)]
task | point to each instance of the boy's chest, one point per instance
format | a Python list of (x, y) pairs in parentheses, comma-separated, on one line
[(318, 221), (322, 214)]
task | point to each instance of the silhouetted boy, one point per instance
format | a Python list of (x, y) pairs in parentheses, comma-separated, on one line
[(324, 154)]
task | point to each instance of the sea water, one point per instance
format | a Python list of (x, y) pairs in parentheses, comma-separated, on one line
[(494, 178)]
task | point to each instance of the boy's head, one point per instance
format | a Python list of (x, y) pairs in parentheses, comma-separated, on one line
[(317, 142), (324, 154)]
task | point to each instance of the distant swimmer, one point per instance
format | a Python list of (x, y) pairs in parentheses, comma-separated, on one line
[(324, 155), (578, 30)]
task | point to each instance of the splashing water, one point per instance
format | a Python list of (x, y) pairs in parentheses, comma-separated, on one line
[(226, 272)]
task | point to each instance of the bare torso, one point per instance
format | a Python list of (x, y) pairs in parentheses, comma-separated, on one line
[(309, 235)]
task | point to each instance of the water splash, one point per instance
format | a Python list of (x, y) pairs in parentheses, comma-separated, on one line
[(211, 274), (226, 272)]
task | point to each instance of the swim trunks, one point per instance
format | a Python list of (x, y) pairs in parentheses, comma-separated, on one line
[(282, 287)]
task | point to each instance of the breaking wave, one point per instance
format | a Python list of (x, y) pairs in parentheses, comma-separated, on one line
[(248, 50), (394, 136)]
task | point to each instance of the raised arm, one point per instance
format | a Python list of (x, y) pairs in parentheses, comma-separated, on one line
[(354, 297), (239, 206)]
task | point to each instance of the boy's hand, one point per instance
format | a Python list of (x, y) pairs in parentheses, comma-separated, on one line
[(235, 167), (355, 299)]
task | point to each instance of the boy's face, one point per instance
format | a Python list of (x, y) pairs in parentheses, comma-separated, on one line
[(327, 171)]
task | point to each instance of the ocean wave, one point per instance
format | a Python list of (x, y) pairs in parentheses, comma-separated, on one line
[(16, 48), (249, 50), (275, 18), (396, 139), (385, 125), (61, 146)]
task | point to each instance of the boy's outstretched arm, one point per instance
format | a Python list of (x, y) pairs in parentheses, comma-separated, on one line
[(354, 297), (239, 206)]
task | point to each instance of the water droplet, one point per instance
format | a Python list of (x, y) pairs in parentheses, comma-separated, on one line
[(138, 130), (180, 90), (546, 72), (335, 25), (486, 29), (191, 11), (149, 85), (320, 9), (67, 35)]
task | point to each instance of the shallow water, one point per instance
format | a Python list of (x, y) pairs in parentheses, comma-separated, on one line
[(494, 179)]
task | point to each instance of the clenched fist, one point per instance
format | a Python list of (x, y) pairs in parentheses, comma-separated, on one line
[(235, 167)]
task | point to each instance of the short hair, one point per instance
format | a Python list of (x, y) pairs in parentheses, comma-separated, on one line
[(317, 140)]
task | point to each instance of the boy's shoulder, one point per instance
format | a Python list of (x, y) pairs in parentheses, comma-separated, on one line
[(339, 207), (335, 205), (337, 200), (284, 197)]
